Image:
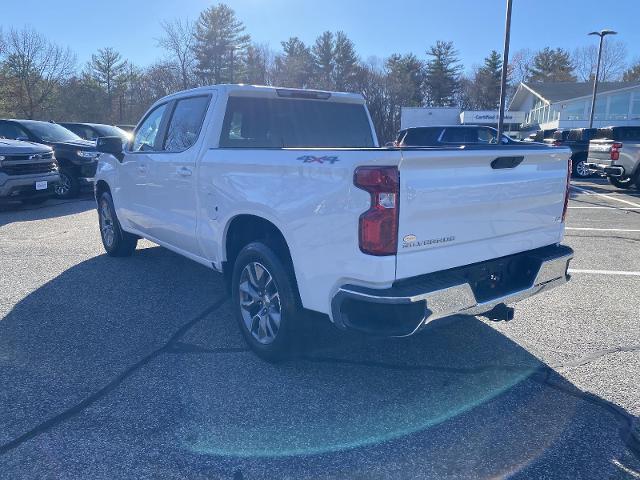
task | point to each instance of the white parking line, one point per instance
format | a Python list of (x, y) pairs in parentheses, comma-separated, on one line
[(586, 229), (606, 272), (591, 192), (604, 208)]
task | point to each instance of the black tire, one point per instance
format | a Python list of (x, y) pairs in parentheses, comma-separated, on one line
[(579, 171), (116, 242), (34, 200), (68, 186), (286, 338), (624, 182)]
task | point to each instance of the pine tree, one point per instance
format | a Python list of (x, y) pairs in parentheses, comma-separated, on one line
[(324, 62), (487, 82), (551, 65), (346, 63), (294, 67), (442, 74), (108, 69), (220, 45)]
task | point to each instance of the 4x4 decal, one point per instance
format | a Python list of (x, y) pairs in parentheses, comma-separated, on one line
[(314, 159)]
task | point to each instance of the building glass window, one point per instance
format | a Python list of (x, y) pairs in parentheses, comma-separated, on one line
[(575, 110), (601, 108), (619, 106), (635, 106)]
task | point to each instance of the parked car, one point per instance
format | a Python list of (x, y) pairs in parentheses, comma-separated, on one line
[(577, 140), (28, 172), (287, 193), (127, 128), (448, 135), (77, 158), (91, 131), (614, 152)]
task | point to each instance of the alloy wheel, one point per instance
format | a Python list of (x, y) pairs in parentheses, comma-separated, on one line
[(63, 187), (582, 170), (106, 224), (260, 303)]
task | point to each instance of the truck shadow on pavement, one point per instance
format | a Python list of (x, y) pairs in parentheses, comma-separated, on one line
[(131, 368), (10, 213)]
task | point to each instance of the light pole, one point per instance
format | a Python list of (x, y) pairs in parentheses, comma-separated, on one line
[(601, 34), (505, 66)]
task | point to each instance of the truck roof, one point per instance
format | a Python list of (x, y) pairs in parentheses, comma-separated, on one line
[(271, 92)]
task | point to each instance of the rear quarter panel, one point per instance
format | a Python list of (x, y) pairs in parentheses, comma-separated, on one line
[(310, 197)]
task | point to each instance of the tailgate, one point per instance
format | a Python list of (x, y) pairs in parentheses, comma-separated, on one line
[(463, 206), (600, 151)]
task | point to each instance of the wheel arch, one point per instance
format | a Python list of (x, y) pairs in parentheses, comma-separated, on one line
[(243, 229)]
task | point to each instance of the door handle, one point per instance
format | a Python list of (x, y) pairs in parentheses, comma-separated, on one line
[(506, 162), (184, 172), (142, 169)]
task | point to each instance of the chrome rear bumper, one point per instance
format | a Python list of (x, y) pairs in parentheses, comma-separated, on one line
[(443, 294)]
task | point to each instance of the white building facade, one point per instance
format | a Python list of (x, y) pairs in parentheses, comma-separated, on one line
[(567, 105)]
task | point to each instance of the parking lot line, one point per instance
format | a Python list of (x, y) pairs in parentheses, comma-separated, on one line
[(591, 192), (588, 229), (604, 208), (606, 272)]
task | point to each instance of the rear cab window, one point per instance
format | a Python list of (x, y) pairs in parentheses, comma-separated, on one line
[(255, 122)]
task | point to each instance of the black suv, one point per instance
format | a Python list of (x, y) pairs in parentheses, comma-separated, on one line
[(77, 158), (92, 131), (577, 139), (448, 135)]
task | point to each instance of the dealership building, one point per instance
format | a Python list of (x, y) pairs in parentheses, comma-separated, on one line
[(568, 104), (536, 106)]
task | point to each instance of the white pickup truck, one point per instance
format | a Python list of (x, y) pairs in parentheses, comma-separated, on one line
[(288, 194)]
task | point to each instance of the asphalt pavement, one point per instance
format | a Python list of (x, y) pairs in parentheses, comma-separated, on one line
[(134, 368)]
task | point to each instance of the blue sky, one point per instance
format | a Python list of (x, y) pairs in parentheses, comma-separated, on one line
[(378, 27)]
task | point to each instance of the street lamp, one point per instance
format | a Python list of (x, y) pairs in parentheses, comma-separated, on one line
[(503, 77), (601, 34)]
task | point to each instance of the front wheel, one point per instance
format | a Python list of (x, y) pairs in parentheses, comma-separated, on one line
[(621, 182), (116, 242), (264, 302), (68, 186)]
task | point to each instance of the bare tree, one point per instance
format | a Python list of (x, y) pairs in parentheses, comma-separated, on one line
[(612, 66), (179, 40), (35, 67), (520, 66)]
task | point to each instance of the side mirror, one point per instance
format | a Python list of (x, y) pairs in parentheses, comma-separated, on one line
[(110, 145)]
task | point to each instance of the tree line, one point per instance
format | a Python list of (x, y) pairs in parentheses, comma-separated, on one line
[(40, 79)]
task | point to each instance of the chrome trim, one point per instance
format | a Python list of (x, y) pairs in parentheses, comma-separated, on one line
[(460, 299)]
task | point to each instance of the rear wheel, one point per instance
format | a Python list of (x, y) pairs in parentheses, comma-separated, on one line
[(621, 182), (68, 186), (116, 242), (580, 170), (264, 302)]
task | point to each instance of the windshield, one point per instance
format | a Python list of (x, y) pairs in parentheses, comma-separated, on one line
[(111, 131), (50, 132)]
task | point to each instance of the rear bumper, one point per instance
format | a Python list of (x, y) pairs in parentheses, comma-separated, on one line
[(471, 290), (606, 169)]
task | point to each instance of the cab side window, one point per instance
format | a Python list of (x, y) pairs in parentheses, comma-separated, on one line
[(146, 136), (186, 123)]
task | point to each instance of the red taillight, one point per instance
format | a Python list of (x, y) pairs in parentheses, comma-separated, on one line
[(615, 151), (566, 191), (378, 226), (556, 143)]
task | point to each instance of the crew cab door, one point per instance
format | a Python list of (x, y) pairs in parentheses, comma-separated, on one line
[(171, 190), (132, 199)]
